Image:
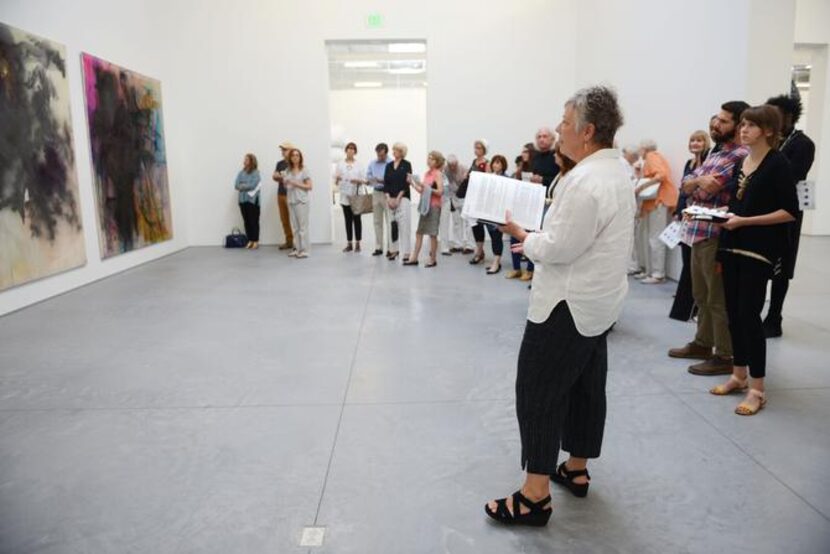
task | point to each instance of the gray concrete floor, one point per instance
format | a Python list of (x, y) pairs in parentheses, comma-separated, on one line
[(221, 401)]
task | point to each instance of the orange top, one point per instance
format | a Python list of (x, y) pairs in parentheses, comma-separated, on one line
[(655, 166)]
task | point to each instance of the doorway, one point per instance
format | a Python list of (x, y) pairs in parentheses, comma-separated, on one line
[(377, 93)]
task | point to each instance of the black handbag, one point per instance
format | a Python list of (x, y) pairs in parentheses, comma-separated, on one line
[(236, 239)]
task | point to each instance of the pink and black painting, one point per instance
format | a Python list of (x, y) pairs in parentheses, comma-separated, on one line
[(40, 218), (129, 163)]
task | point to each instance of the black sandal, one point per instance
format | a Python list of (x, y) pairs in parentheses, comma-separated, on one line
[(476, 260), (566, 479), (538, 515), (410, 262), (431, 264)]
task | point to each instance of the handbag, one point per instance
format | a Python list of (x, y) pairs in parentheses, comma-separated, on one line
[(650, 192), (236, 239), (361, 202)]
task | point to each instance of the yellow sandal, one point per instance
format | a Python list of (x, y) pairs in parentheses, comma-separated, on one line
[(724, 389), (747, 410)]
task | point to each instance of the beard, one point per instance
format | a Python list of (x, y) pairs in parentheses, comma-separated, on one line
[(721, 138)]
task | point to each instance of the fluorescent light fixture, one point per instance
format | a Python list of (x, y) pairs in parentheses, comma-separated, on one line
[(407, 71), (361, 65), (368, 84), (407, 48)]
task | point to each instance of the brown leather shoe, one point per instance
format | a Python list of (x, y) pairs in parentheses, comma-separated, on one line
[(716, 365), (691, 351)]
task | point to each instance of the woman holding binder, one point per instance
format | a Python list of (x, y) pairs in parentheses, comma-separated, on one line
[(480, 163), (581, 255), (499, 167)]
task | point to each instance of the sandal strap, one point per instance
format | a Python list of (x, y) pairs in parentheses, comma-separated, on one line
[(761, 395), (570, 474), (519, 499)]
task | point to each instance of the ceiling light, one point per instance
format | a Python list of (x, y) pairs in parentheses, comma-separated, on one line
[(361, 64), (407, 48), (368, 84)]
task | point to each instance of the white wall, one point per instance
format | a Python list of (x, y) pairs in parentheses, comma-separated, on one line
[(812, 27), (120, 35)]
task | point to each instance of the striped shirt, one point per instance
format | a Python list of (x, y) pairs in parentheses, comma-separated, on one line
[(719, 164)]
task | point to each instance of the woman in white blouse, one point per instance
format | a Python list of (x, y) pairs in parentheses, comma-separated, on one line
[(349, 174), (579, 285)]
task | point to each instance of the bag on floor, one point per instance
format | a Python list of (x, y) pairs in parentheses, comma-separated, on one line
[(236, 239), (361, 202)]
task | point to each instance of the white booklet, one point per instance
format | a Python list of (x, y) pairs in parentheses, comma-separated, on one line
[(490, 196), (806, 195), (701, 213), (672, 235)]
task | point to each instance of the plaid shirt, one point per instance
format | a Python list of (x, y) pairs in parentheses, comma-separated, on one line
[(720, 164)]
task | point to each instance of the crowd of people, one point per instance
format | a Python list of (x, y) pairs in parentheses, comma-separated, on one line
[(604, 213)]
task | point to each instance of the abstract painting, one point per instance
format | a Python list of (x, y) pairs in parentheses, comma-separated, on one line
[(40, 218), (129, 163)]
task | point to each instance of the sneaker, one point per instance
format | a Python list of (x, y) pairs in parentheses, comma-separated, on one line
[(716, 365), (691, 351), (292, 254), (640, 275), (302, 254), (526, 276), (513, 274)]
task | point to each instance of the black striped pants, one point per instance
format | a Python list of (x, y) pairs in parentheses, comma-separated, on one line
[(560, 391)]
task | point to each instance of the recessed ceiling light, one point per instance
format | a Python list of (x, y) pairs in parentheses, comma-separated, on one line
[(407, 48), (368, 84)]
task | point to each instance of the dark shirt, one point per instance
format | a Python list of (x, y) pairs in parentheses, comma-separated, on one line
[(683, 199), (769, 188), (800, 152), (394, 180), (282, 165), (544, 165)]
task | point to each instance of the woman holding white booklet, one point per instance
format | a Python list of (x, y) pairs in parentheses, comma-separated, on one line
[(581, 255)]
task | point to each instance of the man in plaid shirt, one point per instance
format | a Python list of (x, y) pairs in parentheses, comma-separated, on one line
[(708, 186)]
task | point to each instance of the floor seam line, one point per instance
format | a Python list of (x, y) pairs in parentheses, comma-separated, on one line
[(346, 394)]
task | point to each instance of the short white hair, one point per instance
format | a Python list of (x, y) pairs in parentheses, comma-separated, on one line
[(402, 147), (452, 159), (549, 131), (648, 145), (483, 144)]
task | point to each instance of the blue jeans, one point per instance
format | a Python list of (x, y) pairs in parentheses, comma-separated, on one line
[(517, 258)]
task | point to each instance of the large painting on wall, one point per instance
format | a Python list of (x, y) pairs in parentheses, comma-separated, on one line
[(40, 216), (126, 132)]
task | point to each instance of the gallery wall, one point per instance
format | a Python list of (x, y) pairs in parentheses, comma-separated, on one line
[(241, 76), (128, 35)]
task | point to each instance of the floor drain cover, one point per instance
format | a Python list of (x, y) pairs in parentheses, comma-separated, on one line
[(313, 536)]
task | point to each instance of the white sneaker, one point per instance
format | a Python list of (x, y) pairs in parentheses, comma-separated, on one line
[(302, 255), (292, 254), (641, 275), (652, 280)]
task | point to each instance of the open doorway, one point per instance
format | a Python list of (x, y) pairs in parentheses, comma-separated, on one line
[(377, 93)]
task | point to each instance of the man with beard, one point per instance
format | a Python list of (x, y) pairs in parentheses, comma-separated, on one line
[(707, 186), (800, 152)]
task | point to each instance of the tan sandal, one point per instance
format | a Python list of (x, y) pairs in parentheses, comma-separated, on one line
[(747, 410), (722, 390)]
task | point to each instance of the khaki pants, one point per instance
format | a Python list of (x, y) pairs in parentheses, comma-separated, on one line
[(707, 288), (299, 221), (380, 215), (285, 219)]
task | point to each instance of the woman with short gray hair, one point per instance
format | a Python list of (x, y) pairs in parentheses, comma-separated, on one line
[(578, 290)]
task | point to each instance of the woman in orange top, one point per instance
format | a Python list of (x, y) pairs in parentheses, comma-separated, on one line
[(654, 215)]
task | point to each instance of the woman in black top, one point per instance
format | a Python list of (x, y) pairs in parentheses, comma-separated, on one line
[(479, 164), (396, 189), (683, 307), (752, 245)]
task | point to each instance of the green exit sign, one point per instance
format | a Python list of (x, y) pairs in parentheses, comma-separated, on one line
[(374, 21)]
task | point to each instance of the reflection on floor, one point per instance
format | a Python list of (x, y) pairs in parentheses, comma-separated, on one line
[(222, 401)]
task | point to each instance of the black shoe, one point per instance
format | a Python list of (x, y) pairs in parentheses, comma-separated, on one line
[(377, 252), (392, 257), (772, 328), (410, 262), (476, 260), (566, 479), (538, 516)]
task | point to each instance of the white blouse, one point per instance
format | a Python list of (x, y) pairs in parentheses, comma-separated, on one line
[(581, 254), (345, 172)]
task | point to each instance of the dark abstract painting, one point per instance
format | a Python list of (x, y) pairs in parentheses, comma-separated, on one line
[(40, 220), (129, 163)]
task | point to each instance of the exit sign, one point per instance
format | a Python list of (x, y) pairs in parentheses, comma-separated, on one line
[(374, 21)]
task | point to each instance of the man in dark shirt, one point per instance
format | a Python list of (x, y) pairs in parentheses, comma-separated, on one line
[(543, 165), (800, 152), (282, 196)]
